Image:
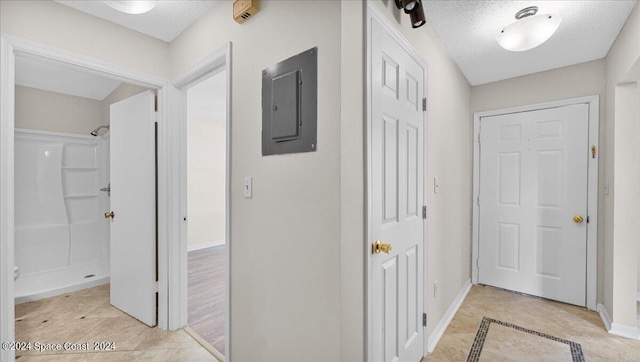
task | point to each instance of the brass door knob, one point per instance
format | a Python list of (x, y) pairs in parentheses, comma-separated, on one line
[(578, 219), (109, 215), (379, 246)]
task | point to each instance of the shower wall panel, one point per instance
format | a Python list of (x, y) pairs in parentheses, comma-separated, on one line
[(58, 205)]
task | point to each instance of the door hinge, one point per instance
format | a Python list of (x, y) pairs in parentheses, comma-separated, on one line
[(424, 212), (587, 219), (424, 319), (155, 286), (155, 117), (424, 104)]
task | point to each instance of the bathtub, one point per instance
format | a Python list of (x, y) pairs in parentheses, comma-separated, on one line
[(61, 240)]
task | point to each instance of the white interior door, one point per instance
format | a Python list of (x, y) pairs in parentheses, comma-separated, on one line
[(133, 202), (397, 130), (533, 182)]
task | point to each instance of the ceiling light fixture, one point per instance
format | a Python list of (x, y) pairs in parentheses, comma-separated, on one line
[(417, 16), (415, 11), (529, 31), (407, 5), (131, 7)]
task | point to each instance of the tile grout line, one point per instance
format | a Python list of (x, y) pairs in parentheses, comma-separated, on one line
[(577, 354)]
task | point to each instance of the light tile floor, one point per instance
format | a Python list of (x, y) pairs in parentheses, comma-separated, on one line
[(87, 317), (553, 318)]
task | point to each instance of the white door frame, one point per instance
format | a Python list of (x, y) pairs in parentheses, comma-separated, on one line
[(373, 14), (208, 66), (592, 189), (9, 47)]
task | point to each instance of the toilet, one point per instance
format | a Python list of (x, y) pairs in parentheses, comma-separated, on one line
[(16, 272)]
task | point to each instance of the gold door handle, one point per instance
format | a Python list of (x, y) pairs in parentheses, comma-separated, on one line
[(109, 215), (578, 219), (379, 246)]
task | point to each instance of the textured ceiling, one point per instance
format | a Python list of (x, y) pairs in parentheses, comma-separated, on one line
[(207, 100), (57, 77), (469, 28), (165, 21)]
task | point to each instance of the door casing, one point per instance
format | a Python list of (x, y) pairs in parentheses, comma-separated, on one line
[(592, 181), (167, 223), (373, 14), (208, 66)]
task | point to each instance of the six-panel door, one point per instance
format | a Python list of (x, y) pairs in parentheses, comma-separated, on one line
[(397, 186), (533, 183)]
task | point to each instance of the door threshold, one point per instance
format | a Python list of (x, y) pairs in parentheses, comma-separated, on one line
[(214, 352), (530, 295)]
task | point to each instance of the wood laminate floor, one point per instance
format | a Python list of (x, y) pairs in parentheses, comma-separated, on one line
[(207, 295), (86, 317)]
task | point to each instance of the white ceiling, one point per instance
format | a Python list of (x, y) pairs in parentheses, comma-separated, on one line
[(165, 21), (207, 100), (60, 78), (469, 28)]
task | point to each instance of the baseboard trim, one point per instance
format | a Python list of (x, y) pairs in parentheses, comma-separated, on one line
[(617, 328), (214, 352), (625, 331), (437, 333), (205, 245), (604, 315)]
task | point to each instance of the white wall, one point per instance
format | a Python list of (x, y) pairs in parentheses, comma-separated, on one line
[(285, 241), (626, 205), (450, 158), (49, 111), (206, 161), (352, 161), (62, 27), (620, 62), (573, 81), (206, 175)]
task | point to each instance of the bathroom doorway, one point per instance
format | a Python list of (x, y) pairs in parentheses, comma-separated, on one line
[(63, 189)]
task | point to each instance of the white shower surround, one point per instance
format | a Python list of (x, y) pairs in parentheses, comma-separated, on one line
[(60, 234)]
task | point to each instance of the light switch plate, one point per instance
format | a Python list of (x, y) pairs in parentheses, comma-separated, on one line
[(248, 187)]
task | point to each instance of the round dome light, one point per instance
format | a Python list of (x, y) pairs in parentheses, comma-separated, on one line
[(131, 7), (528, 32)]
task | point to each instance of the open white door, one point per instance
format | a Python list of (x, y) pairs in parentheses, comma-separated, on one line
[(133, 203), (397, 141)]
